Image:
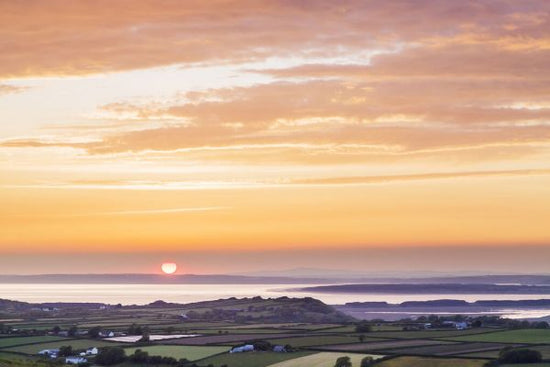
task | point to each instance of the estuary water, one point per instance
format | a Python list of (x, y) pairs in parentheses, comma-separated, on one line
[(129, 294)]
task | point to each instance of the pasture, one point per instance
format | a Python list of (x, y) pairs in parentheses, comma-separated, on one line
[(253, 359), (221, 325), (191, 353), (526, 336), (76, 344), (10, 342), (431, 362), (323, 359), (318, 340)]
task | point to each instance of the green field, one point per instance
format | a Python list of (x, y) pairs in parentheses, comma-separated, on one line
[(316, 344), (307, 341), (351, 328), (431, 362), (9, 342), (191, 353), (293, 326), (241, 331), (528, 336), (253, 359), (323, 359), (75, 343), (428, 333)]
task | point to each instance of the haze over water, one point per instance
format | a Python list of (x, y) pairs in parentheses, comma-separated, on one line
[(127, 294)]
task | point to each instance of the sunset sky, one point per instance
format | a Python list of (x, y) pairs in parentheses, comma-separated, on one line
[(230, 136)]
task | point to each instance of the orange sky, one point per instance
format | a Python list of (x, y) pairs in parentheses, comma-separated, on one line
[(162, 127)]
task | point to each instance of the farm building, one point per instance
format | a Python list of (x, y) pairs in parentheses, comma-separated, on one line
[(241, 349), (52, 353), (75, 360), (92, 351)]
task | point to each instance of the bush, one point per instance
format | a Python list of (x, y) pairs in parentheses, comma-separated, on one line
[(363, 327), (343, 362), (139, 356), (94, 332), (65, 351), (509, 355), (367, 362), (110, 355)]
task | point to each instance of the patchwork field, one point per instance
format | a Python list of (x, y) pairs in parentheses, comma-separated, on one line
[(291, 326), (191, 353), (450, 333), (449, 349), (254, 359), (382, 345), (431, 362), (323, 359), (526, 336), (228, 339), (10, 342), (308, 341), (76, 344), (313, 343)]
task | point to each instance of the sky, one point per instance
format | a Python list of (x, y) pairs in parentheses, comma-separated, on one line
[(232, 136)]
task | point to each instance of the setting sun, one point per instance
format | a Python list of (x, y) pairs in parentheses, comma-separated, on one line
[(169, 268)]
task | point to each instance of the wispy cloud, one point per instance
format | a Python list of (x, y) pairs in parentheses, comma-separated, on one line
[(413, 177), (189, 210), (10, 89)]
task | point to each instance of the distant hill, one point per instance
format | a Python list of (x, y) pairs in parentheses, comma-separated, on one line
[(450, 288), (255, 309), (270, 310), (532, 303), (9, 305)]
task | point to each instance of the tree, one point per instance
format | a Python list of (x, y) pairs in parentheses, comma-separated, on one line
[(135, 329), (56, 329), (73, 330), (367, 362), (542, 325), (510, 355), (145, 337), (477, 323), (94, 332), (110, 355), (65, 351), (139, 356), (363, 327), (343, 362), (361, 338)]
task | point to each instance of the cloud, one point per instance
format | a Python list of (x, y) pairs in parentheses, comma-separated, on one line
[(58, 37), (11, 89), (330, 180), (361, 180), (395, 116), (334, 121), (189, 210), (438, 88)]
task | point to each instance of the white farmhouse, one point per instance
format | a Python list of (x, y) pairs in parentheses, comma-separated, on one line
[(92, 351)]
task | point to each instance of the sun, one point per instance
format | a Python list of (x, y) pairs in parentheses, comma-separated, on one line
[(169, 268)]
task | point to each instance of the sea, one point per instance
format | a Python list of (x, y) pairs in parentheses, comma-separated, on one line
[(140, 294)]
